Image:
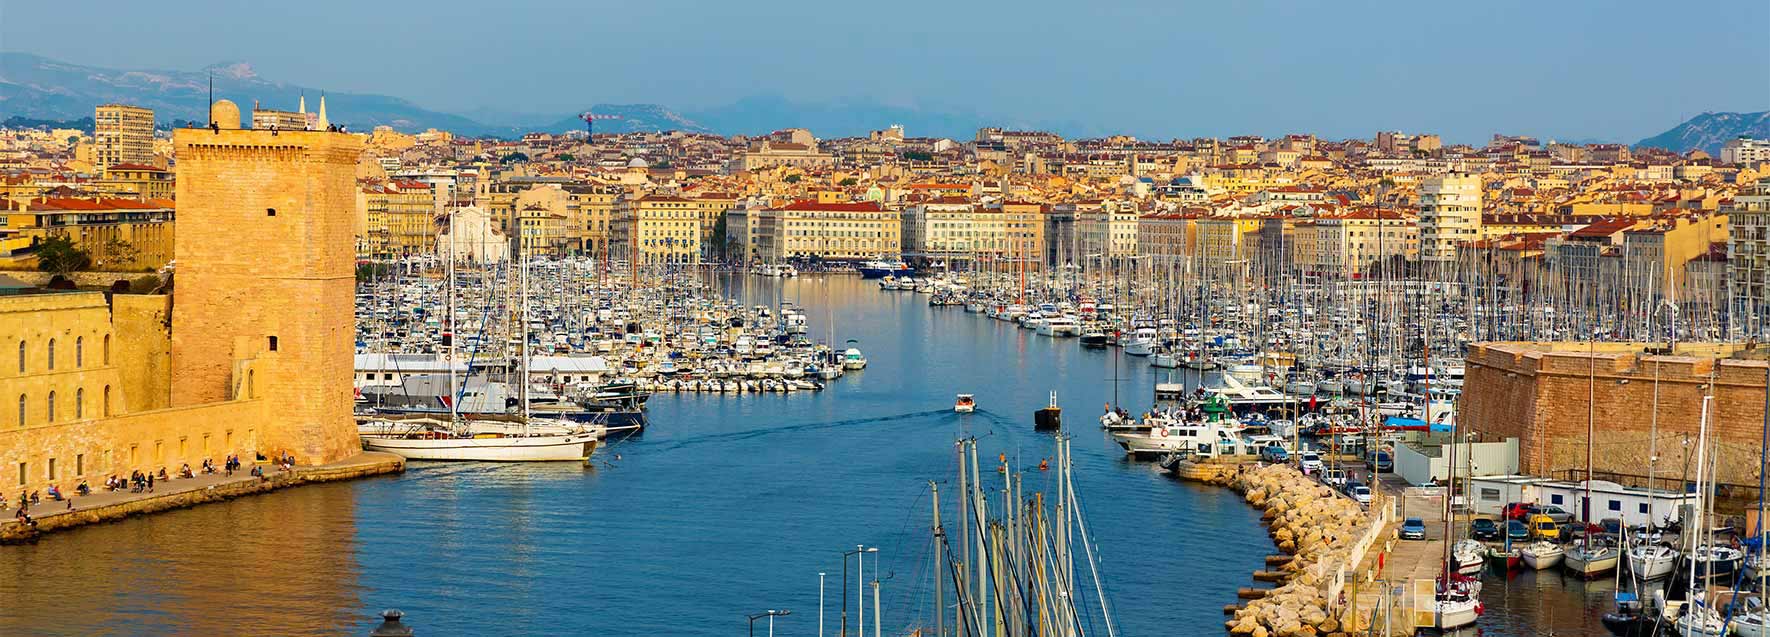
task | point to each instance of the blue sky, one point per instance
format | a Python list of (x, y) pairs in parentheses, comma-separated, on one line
[(1157, 68)]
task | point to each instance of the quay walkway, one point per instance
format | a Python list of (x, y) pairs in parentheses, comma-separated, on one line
[(104, 506)]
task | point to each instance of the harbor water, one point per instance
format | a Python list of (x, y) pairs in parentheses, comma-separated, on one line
[(728, 505)]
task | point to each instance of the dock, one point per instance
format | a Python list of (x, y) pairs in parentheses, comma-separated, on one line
[(105, 506)]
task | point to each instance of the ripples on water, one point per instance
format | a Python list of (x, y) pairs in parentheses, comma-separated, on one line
[(729, 505)]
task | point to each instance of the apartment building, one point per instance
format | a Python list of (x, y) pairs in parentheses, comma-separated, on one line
[(122, 134), (1450, 213)]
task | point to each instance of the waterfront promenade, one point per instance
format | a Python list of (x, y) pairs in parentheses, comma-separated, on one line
[(103, 506)]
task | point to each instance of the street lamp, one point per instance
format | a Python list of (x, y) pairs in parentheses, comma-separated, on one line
[(858, 549), (770, 614)]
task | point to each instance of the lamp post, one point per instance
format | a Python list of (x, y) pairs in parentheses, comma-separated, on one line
[(858, 550), (770, 614), (820, 604)]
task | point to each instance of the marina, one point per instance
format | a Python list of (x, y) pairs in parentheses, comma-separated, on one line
[(757, 468)]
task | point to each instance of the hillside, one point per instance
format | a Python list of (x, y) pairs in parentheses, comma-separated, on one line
[(1709, 131)]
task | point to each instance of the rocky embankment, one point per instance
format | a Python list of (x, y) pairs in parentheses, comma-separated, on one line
[(1318, 529)]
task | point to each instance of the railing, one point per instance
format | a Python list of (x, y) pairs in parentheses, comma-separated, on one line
[(1336, 584)]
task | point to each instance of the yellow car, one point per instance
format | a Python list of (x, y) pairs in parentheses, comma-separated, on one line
[(1543, 526)]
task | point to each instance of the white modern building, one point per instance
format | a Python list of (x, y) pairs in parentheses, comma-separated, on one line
[(1450, 214)]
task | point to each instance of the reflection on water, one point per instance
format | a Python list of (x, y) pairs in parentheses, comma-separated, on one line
[(285, 560), (728, 505)]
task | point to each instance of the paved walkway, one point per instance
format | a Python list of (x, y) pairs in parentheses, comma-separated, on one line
[(54, 515)]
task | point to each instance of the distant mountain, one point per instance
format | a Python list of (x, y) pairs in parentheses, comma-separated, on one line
[(1709, 131), (760, 115), (36, 87), (628, 118)]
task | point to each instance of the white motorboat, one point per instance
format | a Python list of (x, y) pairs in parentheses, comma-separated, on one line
[(1469, 556), (1060, 325), (853, 360), (1142, 342), (1299, 387), (1240, 394), (964, 404), (1592, 557), (1650, 562), (1164, 360), (1542, 554)]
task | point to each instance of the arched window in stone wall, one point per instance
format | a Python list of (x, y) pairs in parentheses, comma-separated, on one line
[(52, 354), (21, 357), (79, 352), (107, 349), (106, 412), (49, 407), (79, 403), (21, 410)]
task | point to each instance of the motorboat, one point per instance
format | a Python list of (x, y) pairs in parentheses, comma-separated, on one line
[(1142, 342), (1541, 554), (1060, 325), (1093, 337), (1164, 360), (1049, 417), (1242, 395), (1630, 618), (964, 404), (881, 269), (1716, 563), (1592, 557), (852, 359), (1649, 562), (1469, 556), (1456, 603)]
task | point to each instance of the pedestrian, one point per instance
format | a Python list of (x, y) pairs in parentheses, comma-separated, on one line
[(150, 483)]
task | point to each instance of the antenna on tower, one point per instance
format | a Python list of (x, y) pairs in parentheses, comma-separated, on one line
[(210, 112)]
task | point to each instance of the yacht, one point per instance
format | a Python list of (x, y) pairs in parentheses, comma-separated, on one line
[(881, 269), (853, 360), (1061, 325), (480, 440), (1142, 342), (1256, 396), (1469, 556)]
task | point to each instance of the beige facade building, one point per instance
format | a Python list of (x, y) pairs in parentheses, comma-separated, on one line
[(119, 234), (657, 230), (1450, 214), (825, 228), (399, 219), (122, 134)]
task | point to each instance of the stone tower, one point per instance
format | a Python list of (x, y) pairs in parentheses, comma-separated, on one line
[(265, 280)]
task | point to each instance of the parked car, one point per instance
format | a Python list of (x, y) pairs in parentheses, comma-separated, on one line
[(1484, 529), (1361, 493), (1335, 478), (1517, 531), (1380, 461), (1560, 515), (1274, 453), (1413, 529), (1544, 527), (1520, 510), (1350, 484), (1309, 462)]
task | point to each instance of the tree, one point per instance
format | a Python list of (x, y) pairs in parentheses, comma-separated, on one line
[(58, 255), (514, 157), (566, 157), (792, 179), (848, 182), (118, 254)]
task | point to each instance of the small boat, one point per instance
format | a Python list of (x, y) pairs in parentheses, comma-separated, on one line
[(853, 360), (1469, 556), (1163, 360), (1094, 338), (1049, 416), (964, 404), (1630, 619), (1504, 559), (1456, 603), (1592, 557), (1650, 562), (1716, 563), (1542, 554)]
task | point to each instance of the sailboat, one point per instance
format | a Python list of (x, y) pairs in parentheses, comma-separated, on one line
[(518, 439), (1592, 557), (1696, 618)]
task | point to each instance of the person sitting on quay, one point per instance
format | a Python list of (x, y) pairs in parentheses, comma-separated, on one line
[(208, 466), (55, 493), (185, 471), (36, 498), (258, 472), (84, 489), (162, 475)]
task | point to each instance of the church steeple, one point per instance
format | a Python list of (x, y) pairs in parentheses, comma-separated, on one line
[(324, 123), (302, 108)]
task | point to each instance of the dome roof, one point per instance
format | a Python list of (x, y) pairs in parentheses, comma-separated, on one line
[(638, 162)]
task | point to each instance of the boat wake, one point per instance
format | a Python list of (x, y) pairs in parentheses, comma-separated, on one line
[(809, 426)]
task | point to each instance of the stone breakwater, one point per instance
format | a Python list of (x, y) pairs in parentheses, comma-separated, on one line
[(1319, 530), (14, 531)]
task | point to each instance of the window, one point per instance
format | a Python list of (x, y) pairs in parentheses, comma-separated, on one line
[(105, 409), (79, 351), (1616, 505), (49, 407), (1643, 508), (79, 403), (21, 410), (270, 212), (107, 349), (273, 343), (21, 357), (52, 354), (52, 469), (22, 467), (1555, 499), (79, 464)]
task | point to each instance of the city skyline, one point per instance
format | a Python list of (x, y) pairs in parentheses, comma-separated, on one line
[(1267, 71)]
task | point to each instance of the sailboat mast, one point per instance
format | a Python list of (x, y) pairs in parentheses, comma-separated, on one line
[(454, 395)]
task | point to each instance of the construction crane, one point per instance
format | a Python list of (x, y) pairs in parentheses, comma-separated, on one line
[(590, 123)]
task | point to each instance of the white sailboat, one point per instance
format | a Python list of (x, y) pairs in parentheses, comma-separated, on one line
[(1542, 554), (1649, 562)]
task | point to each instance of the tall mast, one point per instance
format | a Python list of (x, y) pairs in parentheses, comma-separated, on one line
[(454, 394)]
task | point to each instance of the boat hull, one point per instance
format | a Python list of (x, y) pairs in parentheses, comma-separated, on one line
[(574, 447)]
